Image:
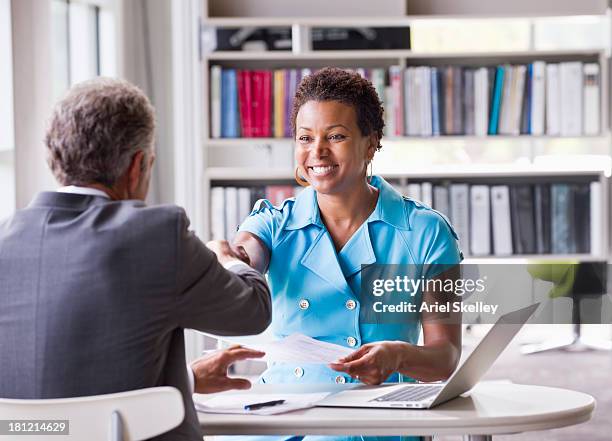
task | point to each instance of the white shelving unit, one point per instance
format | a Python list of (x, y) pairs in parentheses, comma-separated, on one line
[(194, 170), (301, 56)]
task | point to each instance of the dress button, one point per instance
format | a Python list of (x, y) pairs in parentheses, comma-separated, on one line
[(298, 372), (350, 304), (340, 379), (351, 341), (304, 304)]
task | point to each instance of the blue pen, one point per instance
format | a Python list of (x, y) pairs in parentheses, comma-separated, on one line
[(255, 406)]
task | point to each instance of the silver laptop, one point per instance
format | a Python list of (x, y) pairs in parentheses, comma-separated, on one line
[(427, 395)]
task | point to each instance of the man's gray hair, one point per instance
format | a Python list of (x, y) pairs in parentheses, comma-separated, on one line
[(96, 129)]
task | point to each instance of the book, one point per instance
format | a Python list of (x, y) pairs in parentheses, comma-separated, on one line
[(427, 194), (561, 212), (245, 95), (525, 115), (291, 82), (279, 103), (553, 100), (390, 103), (542, 218), (572, 86), (596, 227), (215, 101), (496, 100), (256, 102), (426, 128), (230, 116), (501, 225), (522, 212), (217, 213), (396, 79), (440, 200), (592, 106), (413, 191), (277, 194), (469, 126), (411, 96), (517, 96), (244, 203), (378, 81), (436, 117), (538, 97), (449, 108), (460, 213), (232, 218), (581, 221), (480, 215), (481, 101), (505, 113), (458, 115), (266, 124)]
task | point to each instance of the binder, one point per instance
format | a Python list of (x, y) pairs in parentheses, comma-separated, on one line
[(501, 225), (460, 213), (440, 200), (496, 101), (217, 213), (215, 101), (480, 231), (543, 218), (522, 211)]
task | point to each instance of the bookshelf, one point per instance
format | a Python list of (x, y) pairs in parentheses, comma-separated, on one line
[(221, 157)]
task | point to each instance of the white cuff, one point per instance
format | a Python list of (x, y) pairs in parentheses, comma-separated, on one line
[(235, 262), (191, 379)]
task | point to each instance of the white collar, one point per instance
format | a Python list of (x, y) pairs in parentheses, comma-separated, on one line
[(74, 189)]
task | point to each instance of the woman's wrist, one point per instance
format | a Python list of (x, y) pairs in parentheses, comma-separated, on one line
[(404, 352)]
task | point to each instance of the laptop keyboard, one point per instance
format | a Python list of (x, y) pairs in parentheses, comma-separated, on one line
[(411, 393)]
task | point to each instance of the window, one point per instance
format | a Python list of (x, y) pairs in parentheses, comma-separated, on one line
[(84, 43), (7, 135)]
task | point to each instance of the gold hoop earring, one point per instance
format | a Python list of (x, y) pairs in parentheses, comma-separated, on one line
[(300, 180), (371, 172)]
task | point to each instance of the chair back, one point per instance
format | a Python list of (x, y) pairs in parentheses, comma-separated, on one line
[(125, 416)]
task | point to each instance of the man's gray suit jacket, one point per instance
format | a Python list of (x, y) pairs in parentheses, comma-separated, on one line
[(95, 295)]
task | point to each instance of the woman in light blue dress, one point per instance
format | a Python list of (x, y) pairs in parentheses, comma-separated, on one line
[(315, 247)]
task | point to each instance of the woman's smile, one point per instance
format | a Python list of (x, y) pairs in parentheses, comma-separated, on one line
[(322, 170)]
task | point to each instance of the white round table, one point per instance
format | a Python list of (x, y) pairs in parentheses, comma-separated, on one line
[(491, 408)]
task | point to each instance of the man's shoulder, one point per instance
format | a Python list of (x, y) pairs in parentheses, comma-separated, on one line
[(147, 216)]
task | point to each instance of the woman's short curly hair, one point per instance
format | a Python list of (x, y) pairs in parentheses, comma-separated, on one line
[(347, 87), (96, 129)]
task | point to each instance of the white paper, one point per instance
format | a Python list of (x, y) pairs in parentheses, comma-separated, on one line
[(299, 348), (234, 403), (296, 348)]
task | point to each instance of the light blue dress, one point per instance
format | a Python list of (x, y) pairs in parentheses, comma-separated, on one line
[(315, 290)]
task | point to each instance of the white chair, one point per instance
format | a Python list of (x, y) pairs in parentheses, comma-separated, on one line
[(125, 416)]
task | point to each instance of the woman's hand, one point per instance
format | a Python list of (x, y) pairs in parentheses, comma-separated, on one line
[(373, 363)]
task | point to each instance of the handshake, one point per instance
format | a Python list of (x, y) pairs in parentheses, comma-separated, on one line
[(210, 371), (226, 252)]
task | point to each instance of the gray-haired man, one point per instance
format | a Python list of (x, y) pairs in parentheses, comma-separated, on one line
[(96, 287)]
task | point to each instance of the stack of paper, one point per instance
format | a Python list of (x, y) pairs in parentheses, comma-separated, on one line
[(235, 403)]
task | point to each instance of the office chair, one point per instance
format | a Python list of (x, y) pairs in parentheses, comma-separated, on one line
[(589, 280), (125, 416)]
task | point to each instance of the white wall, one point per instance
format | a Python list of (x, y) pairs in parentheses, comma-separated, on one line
[(7, 139), (32, 96)]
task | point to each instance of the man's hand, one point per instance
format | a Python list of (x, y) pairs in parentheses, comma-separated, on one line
[(210, 371), (226, 252)]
